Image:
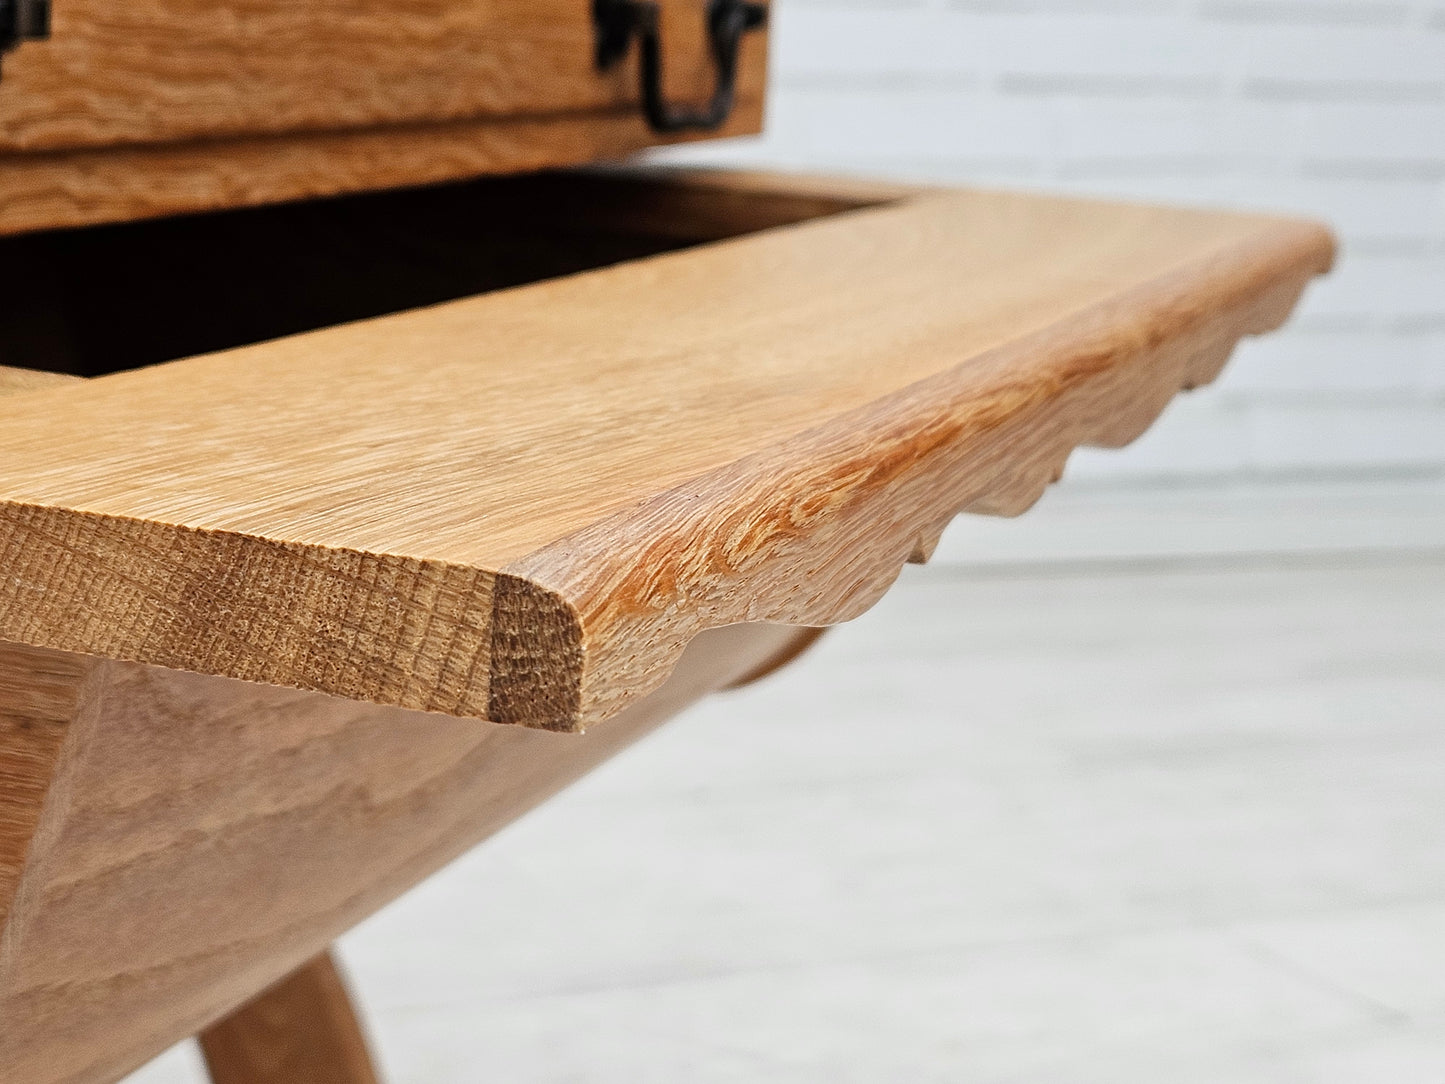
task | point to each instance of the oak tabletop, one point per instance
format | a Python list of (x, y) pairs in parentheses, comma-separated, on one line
[(521, 506)]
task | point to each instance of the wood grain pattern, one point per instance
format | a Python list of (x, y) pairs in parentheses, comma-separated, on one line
[(522, 506), (86, 187), (114, 760), (40, 693), (173, 71), (204, 837), (14, 381), (303, 1029)]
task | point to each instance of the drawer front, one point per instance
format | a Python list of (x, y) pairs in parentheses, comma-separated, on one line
[(165, 71)]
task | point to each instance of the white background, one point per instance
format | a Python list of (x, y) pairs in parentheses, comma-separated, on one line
[(1330, 108)]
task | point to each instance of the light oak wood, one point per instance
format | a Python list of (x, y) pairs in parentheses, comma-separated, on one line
[(86, 187), (41, 693), (203, 837), (303, 1030), (175, 71), (172, 844), (13, 380), (158, 107), (523, 506)]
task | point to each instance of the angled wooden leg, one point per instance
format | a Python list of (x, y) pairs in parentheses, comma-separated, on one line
[(303, 1030)]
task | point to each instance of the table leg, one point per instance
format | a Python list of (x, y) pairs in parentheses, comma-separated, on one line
[(303, 1030)]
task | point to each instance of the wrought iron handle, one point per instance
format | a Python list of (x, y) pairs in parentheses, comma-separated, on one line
[(23, 20), (619, 21)]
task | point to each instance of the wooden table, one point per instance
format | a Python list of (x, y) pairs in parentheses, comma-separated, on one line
[(258, 603), (455, 492)]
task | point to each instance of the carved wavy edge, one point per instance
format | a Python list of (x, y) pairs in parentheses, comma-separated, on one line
[(809, 532), (815, 530)]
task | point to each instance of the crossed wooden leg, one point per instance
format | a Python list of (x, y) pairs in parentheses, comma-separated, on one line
[(303, 1030)]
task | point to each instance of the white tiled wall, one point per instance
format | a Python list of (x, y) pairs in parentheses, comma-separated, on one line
[(1334, 108)]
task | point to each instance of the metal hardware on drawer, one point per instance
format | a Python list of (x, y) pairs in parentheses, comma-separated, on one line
[(23, 20), (619, 21)]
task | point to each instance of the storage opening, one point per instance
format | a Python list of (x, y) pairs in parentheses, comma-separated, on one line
[(94, 301)]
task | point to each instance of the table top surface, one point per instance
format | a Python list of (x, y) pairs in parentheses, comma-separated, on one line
[(522, 505)]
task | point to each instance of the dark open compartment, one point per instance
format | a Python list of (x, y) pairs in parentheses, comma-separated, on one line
[(100, 300)]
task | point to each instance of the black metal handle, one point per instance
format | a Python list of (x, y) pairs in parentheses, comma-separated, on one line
[(619, 21), (23, 20)]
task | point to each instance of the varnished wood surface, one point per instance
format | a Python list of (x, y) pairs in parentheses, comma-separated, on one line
[(40, 695), (522, 506), (203, 837), (15, 380), (175, 71), (88, 186), (302, 1030), (169, 106)]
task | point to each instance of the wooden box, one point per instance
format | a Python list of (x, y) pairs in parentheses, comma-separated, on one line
[(151, 107)]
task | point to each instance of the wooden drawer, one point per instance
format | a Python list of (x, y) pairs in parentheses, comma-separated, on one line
[(270, 615), (158, 106)]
